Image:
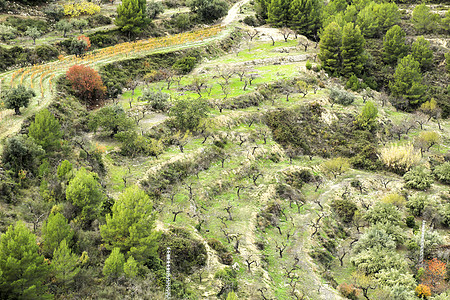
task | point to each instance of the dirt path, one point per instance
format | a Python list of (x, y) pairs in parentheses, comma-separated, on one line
[(233, 13)]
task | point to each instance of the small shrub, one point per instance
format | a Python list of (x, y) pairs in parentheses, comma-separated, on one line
[(344, 208), (87, 83), (423, 291), (185, 65), (353, 83), (416, 204), (187, 253), (251, 21), (400, 159), (335, 166), (298, 176), (341, 97), (308, 65), (349, 291), (99, 20), (410, 221), (418, 178), (225, 256), (395, 199), (442, 172), (158, 100), (81, 8), (182, 21), (47, 52)]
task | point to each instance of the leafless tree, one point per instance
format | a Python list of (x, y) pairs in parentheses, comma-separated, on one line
[(286, 88), (420, 118), (239, 188), (197, 85), (249, 262), (342, 252), (237, 240), (132, 85), (225, 89), (264, 134), (126, 176), (316, 224), (255, 177), (286, 32), (227, 235), (222, 220), (228, 210), (281, 248), (304, 42), (176, 213), (252, 33), (225, 74)]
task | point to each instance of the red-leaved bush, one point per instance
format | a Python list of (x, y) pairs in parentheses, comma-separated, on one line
[(87, 83)]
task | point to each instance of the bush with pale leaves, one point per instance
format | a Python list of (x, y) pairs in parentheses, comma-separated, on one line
[(400, 158)]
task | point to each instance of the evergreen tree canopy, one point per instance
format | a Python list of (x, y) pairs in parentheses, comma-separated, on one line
[(407, 82), (209, 10), (64, 265), (21, 153), (131, 17), (17, 97), (330, 46), (422, 53), (305, 16), (23, 270), (352, 50), (278, 13), (45, 130), (130, 227), (394, 47), (366, 120), (113, 267), (262, 7), (54, 230), (86, 194), (424, 19)]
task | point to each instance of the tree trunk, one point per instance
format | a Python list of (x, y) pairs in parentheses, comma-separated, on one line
[(17, 110)]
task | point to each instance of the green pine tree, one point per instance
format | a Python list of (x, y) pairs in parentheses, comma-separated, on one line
[(54, 230), (113, 267), (407, 82), (23, 270), (130, 268), (367, 20), (305, 16), (330, 48), (352, 50), (387, 16), (45, 130), (424, 19), (278, 13), (86, 194), (261, 8), (131, 225), (394, 47), (422, 53), (64, 265), (131, 17), (366, 120)]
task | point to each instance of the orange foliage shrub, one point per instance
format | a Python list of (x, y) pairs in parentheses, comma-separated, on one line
[(434, 275), (349, 291), (423, 291), (87, 83), (86, 40)]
